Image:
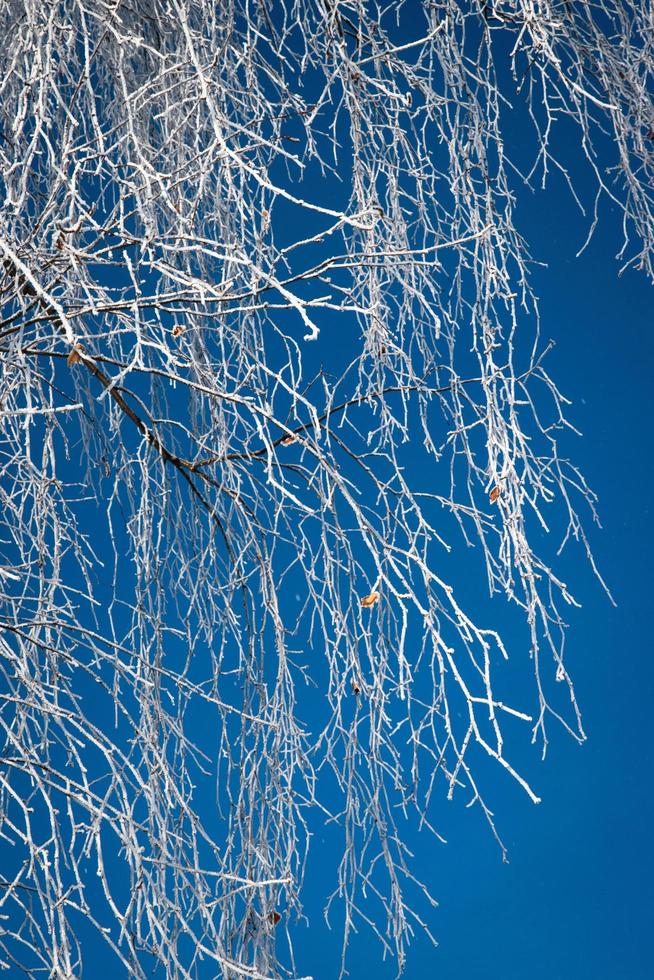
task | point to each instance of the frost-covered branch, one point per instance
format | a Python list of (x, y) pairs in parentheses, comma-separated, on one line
[(269, 349)]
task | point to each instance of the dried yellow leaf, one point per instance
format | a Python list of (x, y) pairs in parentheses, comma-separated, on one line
[(494, 494), (370, 600), (74, 356)]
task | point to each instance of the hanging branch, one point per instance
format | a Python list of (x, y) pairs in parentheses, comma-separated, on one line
[(250, 254)]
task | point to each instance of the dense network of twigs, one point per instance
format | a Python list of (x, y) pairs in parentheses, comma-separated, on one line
[(266, 331)]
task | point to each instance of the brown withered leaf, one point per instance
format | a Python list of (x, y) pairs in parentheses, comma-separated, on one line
[(288, 440), (370, 600), (74, 356), (178, 330), (494, 494), (355, 687), (275, 917)]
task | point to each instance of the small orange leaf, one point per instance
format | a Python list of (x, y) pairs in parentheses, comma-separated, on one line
[(74, 356), (288, 440), (370, 600), (178, 330), (275, 917), (494, 494)]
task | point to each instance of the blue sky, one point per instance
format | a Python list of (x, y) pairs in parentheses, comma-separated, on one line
[(577, 897)]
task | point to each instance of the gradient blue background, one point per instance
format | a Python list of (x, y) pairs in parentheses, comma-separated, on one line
[(576, 900)]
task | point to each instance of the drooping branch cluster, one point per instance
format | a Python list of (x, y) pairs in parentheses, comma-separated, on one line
[(268, 349)]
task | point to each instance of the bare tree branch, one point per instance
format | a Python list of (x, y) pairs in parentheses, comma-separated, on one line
[(250, 254)]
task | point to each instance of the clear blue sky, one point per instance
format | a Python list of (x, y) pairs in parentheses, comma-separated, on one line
[(576, 900)]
